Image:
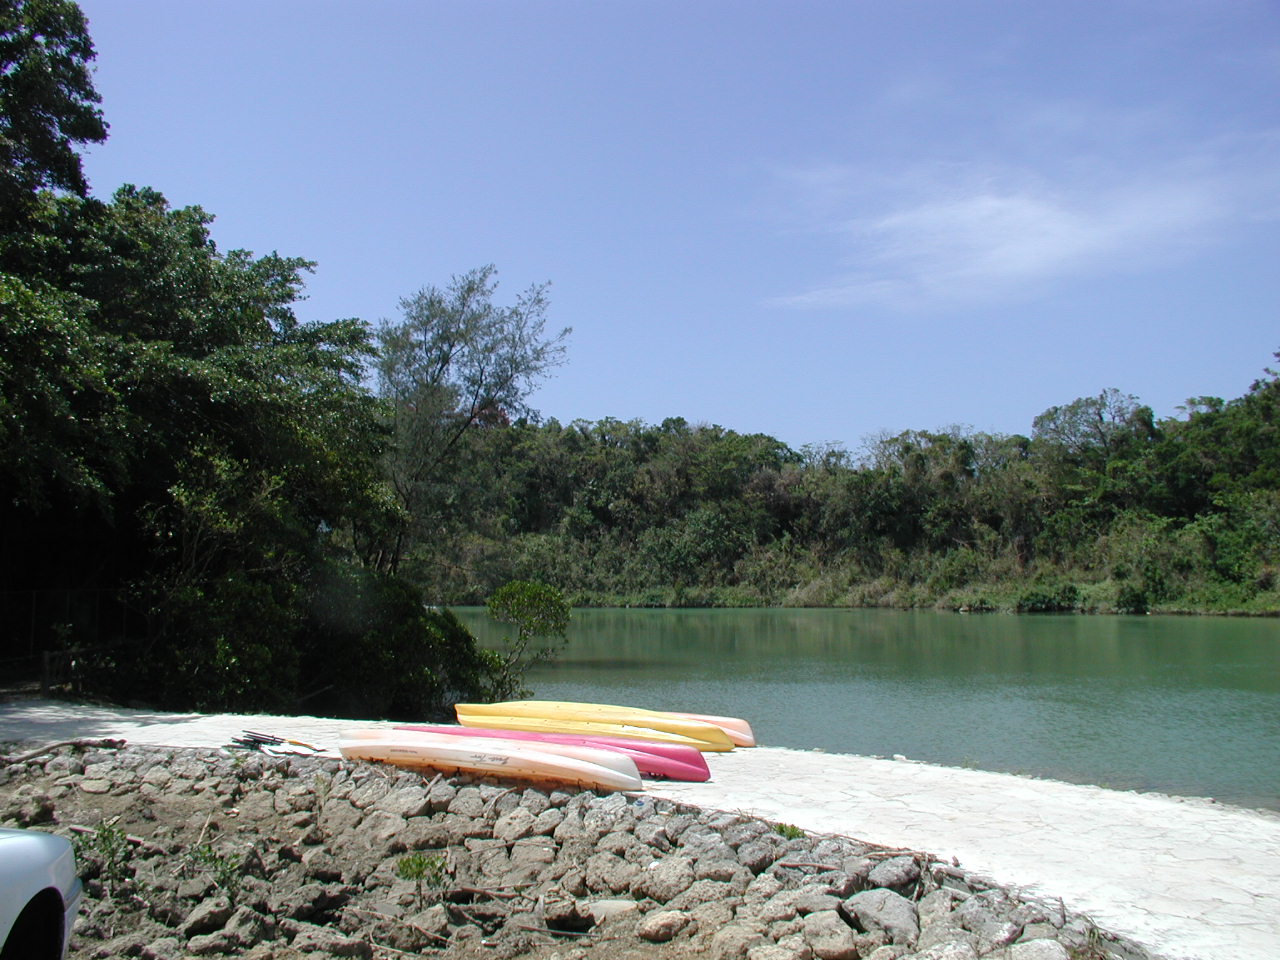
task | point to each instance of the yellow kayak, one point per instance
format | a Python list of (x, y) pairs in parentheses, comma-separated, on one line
[(549, 716)]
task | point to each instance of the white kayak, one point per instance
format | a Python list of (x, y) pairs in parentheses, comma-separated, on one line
[(585, 766)]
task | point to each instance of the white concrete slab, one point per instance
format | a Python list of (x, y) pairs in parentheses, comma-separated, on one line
[(1189, 879)]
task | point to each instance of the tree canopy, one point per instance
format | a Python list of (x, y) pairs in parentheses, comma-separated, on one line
[(48, 103)]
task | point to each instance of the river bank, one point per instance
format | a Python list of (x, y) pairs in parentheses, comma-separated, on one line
[(197, 852), (1182, 878)]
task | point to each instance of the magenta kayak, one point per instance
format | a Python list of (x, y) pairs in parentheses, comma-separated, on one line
[(671, 760)]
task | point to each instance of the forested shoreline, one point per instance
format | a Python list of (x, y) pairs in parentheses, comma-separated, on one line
[(207, 502), (1101, 509)]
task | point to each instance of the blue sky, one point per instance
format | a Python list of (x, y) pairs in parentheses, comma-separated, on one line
[(814, 220)]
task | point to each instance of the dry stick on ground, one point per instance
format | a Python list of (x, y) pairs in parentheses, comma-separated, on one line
[(202, 830), (108, 744), (514, 891), (556, 933)]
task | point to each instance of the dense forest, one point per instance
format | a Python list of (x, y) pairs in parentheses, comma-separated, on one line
[(1103, 508), (207, 502)]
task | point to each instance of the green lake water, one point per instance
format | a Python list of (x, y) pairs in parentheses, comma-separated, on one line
[(1180, 705)]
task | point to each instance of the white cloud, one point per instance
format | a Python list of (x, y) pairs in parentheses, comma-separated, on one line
[(935, 235)]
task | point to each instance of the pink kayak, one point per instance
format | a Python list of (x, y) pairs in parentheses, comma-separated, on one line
[(674, 761)]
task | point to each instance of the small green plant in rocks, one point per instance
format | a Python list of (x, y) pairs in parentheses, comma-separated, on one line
[(108, 847), (788, 830), (225, 868), (427, 872)]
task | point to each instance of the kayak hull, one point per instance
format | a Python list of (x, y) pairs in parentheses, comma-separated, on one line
[(705, 737), (587, 767), (671, 760), (737, 731)]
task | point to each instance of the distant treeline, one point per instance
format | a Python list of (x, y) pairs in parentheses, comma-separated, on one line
[(1102, 508)]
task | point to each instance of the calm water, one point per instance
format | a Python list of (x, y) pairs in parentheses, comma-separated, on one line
[(1188, 706)]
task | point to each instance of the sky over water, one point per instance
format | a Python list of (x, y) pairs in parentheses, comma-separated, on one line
[(814, 220)]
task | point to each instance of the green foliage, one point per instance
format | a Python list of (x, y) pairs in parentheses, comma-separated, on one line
[(47, 100), (226, 869), (428, 873), (107, 853), (788, 831), (455, 363), (1049, 598), (1103, 509), (207, 469), (539, 612)]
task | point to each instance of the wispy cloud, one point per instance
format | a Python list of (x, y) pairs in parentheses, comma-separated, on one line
[(935, 235)]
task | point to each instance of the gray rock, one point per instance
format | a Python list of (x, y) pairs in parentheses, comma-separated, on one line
[(467, 802), (664, 880), (758, 855), (887, 911), (713, 914), (208, 915), (944, 931), (763, 887), (433, 920), (890, 951), (1038, 950), (622, 843), (732, 942), (897, 873), (545, 824), (951, 950), (721, 868), (382, 832), (781, 906), (309, 900), (308, 938), (740, 832), (405, 801), (603, 911), (528, 859), (368, 793), (610, 873), (571, 828), (813, 899), (829, 936), (440, 794), (165, 948), (700, 839), (788, 948), (209, 943), (339, 818), (1038, 931), (514, 825), (662, 926), (994, 934), (704, 891), (246, 927), (319, 864), (653, 833), (936, 906), (535, 801)]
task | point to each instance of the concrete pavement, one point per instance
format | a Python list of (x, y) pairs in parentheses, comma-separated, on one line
[(1189, 879)]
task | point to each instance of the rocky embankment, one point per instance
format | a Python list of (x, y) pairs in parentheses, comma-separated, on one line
[(209, 853)]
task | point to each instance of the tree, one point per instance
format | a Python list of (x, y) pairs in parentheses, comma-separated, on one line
[(539, 612), (47, 100), (455, 361), (1093, 428)]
